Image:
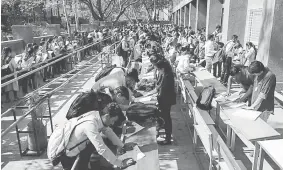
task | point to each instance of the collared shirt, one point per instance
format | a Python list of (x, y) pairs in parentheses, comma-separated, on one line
[(114, 79), (229, 46), (91, 130), (209, 48), (183, 63), (264, 87)]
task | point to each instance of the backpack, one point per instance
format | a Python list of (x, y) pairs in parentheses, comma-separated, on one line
[(104, 72), (140, 112), (88, 101), (205, 98), (60, 137)]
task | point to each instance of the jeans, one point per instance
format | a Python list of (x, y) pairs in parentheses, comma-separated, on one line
[(165, 114), (217, 69), (226, 70), (208, 65), (68, 162)]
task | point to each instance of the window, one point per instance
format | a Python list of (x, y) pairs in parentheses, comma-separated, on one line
[(254, 26)]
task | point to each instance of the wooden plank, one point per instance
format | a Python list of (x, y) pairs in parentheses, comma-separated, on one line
[(271, 148)]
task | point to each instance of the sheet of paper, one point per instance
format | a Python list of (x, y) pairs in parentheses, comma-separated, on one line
[(237, 105), (246, 114), (137, 129), (140, 155)]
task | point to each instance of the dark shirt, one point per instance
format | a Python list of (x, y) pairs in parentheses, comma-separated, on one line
[(166, 86), (264, 86)]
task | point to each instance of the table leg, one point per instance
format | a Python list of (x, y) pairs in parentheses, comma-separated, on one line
[(233, 140), (256, 153), (261, 158), (217, 114), (228, 135)]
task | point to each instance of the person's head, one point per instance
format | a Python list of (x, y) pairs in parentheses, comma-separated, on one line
[(236, 69), (7, 52), (121, 95), (178, 46), (35, 48), (256, 68), (249, 45), (210, 37), (112, 115), (218, 28), (234, 38), (132, 77)]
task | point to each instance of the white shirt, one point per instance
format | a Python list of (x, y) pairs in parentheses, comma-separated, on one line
[(91, 130), (209, 48), (183, 63), (229, 46), (249, 56)]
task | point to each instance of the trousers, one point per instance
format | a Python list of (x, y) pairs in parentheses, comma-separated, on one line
[(165, 114)]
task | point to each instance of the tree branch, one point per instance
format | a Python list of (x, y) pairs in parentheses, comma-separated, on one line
[(108, 5)]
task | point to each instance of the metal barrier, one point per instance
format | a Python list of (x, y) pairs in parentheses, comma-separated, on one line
[(46, 65), (47, 96)]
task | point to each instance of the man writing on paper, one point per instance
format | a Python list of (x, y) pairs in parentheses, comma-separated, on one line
[(263, 91)]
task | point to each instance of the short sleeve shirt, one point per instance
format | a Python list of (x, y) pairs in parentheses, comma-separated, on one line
[(264, 86)]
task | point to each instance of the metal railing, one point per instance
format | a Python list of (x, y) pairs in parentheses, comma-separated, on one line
[(47, 96), (45, 64)]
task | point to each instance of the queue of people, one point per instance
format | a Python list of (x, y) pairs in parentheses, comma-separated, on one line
[(48, 50)]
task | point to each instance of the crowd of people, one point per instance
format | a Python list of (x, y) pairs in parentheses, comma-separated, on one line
[(48, 50), (171, 50)]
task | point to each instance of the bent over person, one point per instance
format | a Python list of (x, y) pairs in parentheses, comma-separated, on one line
[(89, 131)]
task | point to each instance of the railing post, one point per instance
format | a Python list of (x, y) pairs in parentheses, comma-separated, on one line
[(50, 114), (17, 132)]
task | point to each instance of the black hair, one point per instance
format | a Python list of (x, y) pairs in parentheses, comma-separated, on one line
[(133, 73), (252, 45), (236, 69), (234, 36), (6, 50), (178, 45), (88, 101), (114, 110), (210, 36), (218, 26), (123, 91), (256, 67), (35, 47)]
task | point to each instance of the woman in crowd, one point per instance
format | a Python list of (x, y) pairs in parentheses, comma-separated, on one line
[(166, 95), (250, 54), (10, 65)]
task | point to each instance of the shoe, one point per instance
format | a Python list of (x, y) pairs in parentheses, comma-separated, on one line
[(165, 142)]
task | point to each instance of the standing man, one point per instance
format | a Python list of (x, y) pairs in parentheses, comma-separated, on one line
[(209, 52), (263, 90), (227, 61), (125, 49)]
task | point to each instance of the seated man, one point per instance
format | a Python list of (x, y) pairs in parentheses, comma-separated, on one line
[(87, 139)]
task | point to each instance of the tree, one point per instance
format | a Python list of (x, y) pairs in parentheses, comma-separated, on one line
[(152, 7), (102, 10)]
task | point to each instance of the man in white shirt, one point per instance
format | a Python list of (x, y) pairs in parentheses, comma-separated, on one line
[(86, 139), (209, 52), (228, 59), (118, 78)]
